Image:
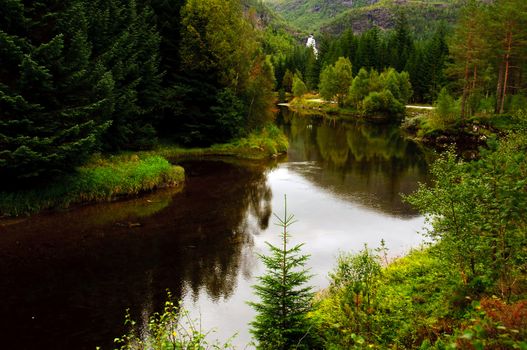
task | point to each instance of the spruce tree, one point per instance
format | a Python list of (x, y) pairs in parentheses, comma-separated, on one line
[(125, 40), (281, 321), (53, 102)]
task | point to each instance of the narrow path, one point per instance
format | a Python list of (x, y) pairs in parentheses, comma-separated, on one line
[(420, 107)]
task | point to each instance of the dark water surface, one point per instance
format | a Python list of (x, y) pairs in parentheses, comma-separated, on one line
[(67, 278)]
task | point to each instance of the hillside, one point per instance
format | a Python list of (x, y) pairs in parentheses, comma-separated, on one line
[(335, 16)]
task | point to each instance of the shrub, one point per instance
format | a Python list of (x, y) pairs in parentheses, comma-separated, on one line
[(382, 103)]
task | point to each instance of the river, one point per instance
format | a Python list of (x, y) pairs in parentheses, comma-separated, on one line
[(68, 277)]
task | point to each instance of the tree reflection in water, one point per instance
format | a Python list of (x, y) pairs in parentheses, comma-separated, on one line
[(368, 163), (68, 277)]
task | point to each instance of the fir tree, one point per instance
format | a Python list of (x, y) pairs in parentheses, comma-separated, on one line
[(127, 42), (53, 101), (281, 321)]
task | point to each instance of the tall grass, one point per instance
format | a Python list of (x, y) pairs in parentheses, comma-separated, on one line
[(98, 181)]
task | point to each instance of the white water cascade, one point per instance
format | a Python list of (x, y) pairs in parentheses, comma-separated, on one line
[(312, 43)]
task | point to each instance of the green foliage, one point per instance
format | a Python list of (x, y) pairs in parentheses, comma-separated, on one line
[(287, 81), (126, 41), (380, 94), (382, 102), (335, 80), (258, 96), (281, 321), (327, 87), (100, 180), (359, 88), (397, 306), (169, 330), (488, 324), (517, 103), (477, 211), (446, 111), (264, 143), (219, 49), (299, 88), (228, 112), (54, 99)]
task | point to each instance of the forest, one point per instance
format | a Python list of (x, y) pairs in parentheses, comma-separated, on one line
[(99, 100)]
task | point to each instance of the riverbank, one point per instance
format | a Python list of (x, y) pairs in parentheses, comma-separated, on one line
[(102, 179), (426, 128), (269, 142), (110, 177), (313, 104), (415, 302)]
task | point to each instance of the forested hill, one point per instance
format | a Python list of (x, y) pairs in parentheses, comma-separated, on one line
[(80, 76), (336, 16)]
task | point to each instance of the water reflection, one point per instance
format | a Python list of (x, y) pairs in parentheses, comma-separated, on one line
[(67, 278), (371, 164)]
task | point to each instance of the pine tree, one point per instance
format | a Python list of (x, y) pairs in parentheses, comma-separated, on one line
[(403, 42), (53, 101), (281, 321), (507, 21), (467, 50), (436, 55), (126, 41), (312, 71)]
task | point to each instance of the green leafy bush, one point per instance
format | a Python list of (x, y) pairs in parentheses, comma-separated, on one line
[(382, 103)]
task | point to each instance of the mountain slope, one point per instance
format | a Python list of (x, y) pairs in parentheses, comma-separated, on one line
[(308, 15), (335, 16)]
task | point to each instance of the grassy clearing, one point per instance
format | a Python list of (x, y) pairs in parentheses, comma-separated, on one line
[(102, 179)]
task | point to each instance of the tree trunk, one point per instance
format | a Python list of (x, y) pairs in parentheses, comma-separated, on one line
[(475, 79), (499, 89), (506, 77), (464, 97)]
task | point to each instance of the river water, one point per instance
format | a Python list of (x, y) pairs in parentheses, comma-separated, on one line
[(68, 277)]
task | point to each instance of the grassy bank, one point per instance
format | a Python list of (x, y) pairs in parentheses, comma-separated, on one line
[(262, 144), (415, 302), (102, 179), (440, 132), (313, 104), (106, 178)]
